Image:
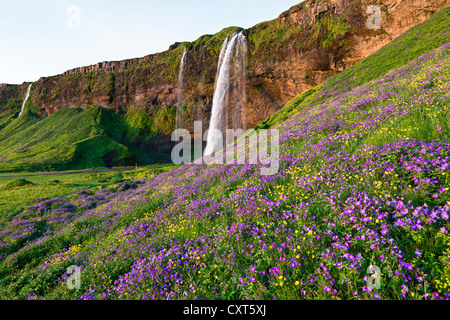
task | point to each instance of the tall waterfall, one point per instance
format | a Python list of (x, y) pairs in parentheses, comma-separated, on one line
[(180, 97), (229, 92), (25, 100)]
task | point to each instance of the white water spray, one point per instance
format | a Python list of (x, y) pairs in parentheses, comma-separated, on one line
[(234, 49), (25, 100), (180, 97)]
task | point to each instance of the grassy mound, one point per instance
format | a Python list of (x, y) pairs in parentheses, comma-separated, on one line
[(18, 183)]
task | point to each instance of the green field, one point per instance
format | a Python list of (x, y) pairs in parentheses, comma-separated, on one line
[(61, 184)]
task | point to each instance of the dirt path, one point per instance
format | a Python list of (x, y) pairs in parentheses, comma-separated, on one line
[(64, 173)]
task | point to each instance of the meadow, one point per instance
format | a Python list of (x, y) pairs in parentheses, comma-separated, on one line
[(364, 181), (18, 190)]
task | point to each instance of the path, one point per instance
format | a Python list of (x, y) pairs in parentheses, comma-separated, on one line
[(63, 173)]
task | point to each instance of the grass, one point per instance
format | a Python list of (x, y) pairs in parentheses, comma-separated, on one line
[(8, 111), (290, 109), (16, 193)]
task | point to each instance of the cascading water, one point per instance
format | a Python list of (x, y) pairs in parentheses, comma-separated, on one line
[(25, 100), (180, 97), (232, 66)]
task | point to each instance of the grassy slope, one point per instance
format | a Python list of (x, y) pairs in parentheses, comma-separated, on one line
[(338, 205), (8, 110), (71, 139)]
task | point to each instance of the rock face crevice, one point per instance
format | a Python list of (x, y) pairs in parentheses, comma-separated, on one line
[(300, 49)]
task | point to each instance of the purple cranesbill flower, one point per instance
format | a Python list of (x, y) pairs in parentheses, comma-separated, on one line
[(274, 271), (367, 290), (418, 253)]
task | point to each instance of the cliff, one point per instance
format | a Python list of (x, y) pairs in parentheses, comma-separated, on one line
[(300, 49)]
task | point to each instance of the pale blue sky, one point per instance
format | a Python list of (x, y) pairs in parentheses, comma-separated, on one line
[(35, 40)]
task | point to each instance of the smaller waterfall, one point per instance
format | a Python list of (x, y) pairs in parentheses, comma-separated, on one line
[(180, 97), (25, 100)]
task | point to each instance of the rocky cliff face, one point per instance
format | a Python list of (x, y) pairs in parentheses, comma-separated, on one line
[(300, 49), (8, 91), (332, 36)]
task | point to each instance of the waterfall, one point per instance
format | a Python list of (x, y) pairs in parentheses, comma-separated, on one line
[(25, 100), (180, 97), (228, 94)]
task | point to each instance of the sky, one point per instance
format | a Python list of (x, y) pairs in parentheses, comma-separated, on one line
[(40, 38)]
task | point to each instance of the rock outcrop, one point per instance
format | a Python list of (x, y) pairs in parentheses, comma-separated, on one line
[(8, 91)]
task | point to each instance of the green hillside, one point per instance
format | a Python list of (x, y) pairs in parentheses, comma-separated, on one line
[(73, 139)]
